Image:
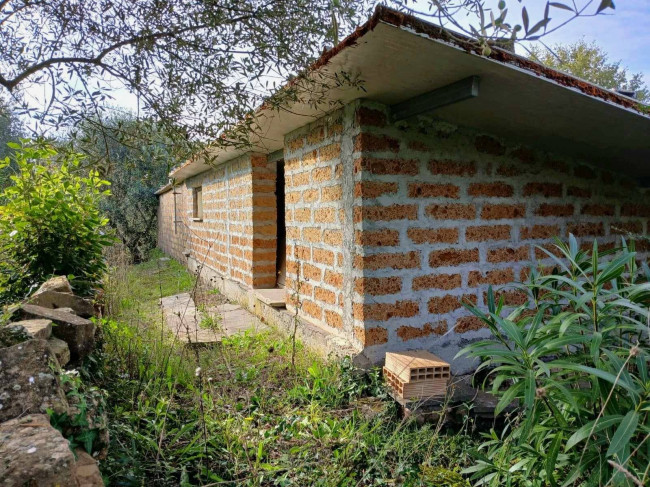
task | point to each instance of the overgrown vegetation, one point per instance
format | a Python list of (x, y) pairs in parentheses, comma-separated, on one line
[(50, 223), (575, 357), (135, 156), (241, 414)]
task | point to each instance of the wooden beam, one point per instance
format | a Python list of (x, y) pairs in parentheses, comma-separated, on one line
[(440, 97)]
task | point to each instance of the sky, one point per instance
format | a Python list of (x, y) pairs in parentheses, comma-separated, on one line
[(624, 34)]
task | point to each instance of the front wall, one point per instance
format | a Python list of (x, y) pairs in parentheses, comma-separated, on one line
[(447, 212), (237, 236), (390, 228)]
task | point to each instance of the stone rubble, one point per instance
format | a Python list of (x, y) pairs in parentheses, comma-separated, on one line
[(50, 334)]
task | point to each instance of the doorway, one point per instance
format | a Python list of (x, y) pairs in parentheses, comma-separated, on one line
[(281, 241)]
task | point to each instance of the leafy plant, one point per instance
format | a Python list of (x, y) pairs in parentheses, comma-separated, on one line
[(574, 359), (50, 222), (82, 426)]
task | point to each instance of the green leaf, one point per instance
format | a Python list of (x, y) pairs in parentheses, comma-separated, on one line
[(584, 432), (509, 396), (605, 4), (624, 432), (551, 458), (524, 17), (561, 6)]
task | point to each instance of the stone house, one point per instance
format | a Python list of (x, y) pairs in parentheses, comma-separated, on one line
[(383, 209)]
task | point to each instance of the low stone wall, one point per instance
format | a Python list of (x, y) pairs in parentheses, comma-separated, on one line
[(49, 332)]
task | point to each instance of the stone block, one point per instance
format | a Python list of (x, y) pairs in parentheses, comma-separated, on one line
[(60, 349), (55, 299), (40, 328), (58, 284), (77, 332), (29, 380), (34, 453)]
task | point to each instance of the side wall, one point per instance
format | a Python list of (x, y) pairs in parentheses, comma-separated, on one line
[(237, 236), (446, 212)]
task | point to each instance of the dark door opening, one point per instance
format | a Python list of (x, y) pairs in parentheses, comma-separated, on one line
[(281, 250)]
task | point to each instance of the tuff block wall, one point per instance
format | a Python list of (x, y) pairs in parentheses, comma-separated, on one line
[(237, 234), (441, 213), (318, 204)]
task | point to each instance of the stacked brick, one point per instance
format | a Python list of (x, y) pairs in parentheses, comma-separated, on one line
[(442, 213), (237, 234)]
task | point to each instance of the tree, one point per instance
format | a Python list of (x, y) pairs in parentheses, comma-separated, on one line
[(510, 21), (195, 65), (199, 66), (135, 156), (590, 62), (10, 131)]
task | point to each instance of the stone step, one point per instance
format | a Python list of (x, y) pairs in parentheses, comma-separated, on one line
[(77, 332), (276, 298)]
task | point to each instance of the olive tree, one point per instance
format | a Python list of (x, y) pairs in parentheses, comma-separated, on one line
[(194, 65)]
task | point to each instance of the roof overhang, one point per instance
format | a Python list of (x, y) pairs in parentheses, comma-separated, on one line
[(400, 57)]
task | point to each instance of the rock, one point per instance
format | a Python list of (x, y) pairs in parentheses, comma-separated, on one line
[(77, 332), (29, 381), (58, 284), (87, 471), (67, 310), (34, 453), (61, 350), (55, 299), (11, 335), (41, 329)]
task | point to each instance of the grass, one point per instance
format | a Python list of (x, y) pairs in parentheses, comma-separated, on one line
[(240, 414)]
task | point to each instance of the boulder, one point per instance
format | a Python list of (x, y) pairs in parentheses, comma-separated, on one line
[(61, 350), (58, 284), (34, 453), (77, 332), (29, 381), (55, 299), (87, 471), (41, 329)]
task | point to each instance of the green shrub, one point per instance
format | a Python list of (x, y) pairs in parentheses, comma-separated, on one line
[(50, 222), (575, 361)]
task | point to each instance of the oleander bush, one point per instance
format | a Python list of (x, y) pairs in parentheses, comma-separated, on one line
[(574, 359), (50, 223)]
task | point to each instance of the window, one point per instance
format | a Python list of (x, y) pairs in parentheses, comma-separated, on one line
[(197, 203)]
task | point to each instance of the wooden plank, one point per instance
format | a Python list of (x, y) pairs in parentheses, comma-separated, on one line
[(277, 298)]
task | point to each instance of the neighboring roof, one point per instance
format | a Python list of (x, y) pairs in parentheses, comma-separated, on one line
[(400, 56)]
